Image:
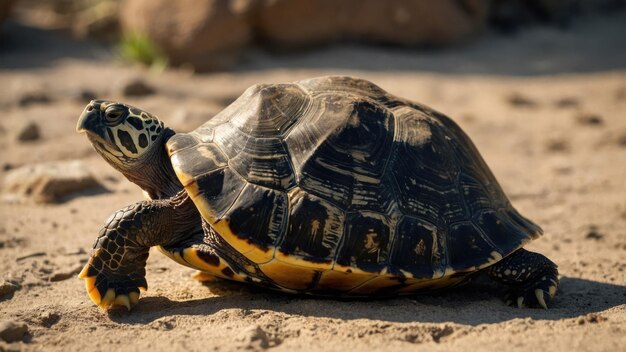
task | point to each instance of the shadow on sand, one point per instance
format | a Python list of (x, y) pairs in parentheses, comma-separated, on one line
[(473, 304)]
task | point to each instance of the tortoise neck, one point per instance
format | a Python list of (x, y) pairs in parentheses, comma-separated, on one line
[(154, 172)]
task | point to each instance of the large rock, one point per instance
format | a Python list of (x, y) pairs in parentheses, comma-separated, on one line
[(48, 182), (206, 34), (293, 23), (209, 34)]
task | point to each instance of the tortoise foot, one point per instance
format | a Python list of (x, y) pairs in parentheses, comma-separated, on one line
[(109, 291), (535, 293)]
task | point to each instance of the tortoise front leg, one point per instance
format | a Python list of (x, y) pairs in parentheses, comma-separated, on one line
[(533, 278), (116, 270)]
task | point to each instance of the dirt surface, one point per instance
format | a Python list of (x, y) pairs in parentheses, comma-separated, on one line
[(546, 110)]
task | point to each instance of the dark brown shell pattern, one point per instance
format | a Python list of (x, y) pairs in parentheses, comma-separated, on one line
[(335, 173)]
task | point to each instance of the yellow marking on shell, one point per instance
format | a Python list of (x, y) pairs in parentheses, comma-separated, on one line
[(184, 178), (191, 259), (494, 257), (190, 255), (299, 261), (203, 276), (249, 250), (108, 298), (426, 284), (335, 280), (288, 276), (222, 227), (350, 269), (377, 283)]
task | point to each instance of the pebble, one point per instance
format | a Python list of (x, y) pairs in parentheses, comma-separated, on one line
[(590, 119), (253, 337), (48, 182), (567, 102), (48, 318), (136, 88), (29, 132), (11, 331), (558, 145), (518, 100), (594, 234), (7, 287), (33, 98)]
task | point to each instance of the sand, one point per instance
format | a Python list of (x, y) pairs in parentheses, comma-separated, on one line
[(545, 109)]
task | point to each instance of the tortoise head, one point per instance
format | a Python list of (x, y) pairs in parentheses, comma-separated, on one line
[(120, 133)]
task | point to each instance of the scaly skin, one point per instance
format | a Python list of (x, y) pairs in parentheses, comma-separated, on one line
[(115, 273), (533, 278)]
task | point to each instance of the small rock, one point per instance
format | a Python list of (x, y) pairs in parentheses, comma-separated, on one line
[(558, 145), (518, 100), (29, 132), (48, 318), (621, 140), (7, 287), (253, 337), (48, 182), (591, 319), (567, 102), (164, 324), (136, 88), (11, 331), (33, 98), (590, 119), (594, 234)]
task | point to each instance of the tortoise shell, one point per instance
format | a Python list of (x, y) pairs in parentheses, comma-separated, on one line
[(333, 185)]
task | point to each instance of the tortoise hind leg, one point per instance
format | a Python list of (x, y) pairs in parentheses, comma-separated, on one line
[(533, 279)]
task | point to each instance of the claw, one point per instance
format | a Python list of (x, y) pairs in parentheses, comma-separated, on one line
[(108, 298), (539, 295), (552, 291), (520, 302), (83, 273), (122, 300), (134, 298)]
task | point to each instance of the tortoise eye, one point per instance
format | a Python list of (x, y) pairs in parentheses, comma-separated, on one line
[(114, 113)]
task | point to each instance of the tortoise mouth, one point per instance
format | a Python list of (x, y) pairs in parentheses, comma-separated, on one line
[(104, 146)]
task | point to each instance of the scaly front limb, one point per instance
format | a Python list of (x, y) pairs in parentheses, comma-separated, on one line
[(116, 270)]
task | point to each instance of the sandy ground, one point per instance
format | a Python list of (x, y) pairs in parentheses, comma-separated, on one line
[(546, 110)]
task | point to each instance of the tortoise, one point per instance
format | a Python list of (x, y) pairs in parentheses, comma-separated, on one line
[(328, 186)]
